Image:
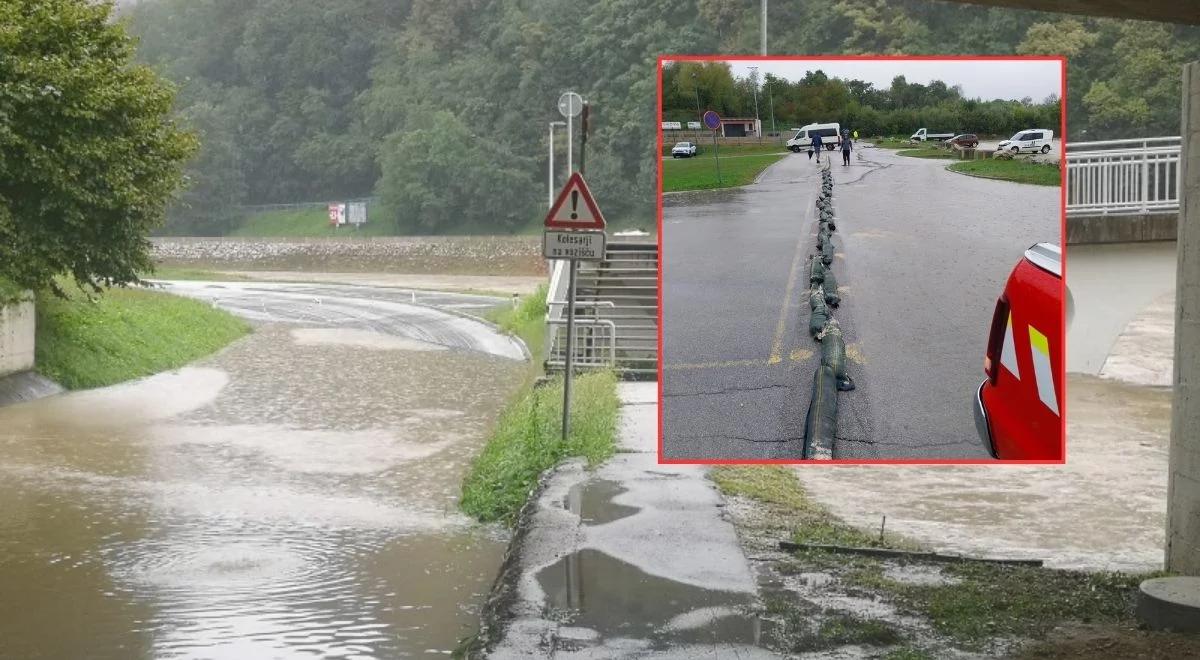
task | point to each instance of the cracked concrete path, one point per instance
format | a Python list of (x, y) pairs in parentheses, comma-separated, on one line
[(632, 560), (922, 254)]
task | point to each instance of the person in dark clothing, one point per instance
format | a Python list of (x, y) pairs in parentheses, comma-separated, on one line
[(816, 145), (845, 152)]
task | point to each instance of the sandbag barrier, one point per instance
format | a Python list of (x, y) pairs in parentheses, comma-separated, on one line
[(820, 425)]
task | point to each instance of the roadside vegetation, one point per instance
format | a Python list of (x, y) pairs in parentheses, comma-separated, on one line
[(526, 320), (86, 341), (181, 273), (705, 147), (926, 152), (700, 172), (527, 439), (971, 607), (1017, 170)]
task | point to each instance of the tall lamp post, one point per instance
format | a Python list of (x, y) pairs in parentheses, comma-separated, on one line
[(763, 20), (696, 89), (550, 166)]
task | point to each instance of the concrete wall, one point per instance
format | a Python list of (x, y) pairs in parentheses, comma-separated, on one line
[(16, 338), (1122, 228)]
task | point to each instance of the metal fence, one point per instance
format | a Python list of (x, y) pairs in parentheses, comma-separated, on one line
[(1116, 177), (259, 208)]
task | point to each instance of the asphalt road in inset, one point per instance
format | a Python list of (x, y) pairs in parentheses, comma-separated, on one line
[(922, 254)]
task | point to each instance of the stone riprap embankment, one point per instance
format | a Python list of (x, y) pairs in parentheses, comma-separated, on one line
[(465, 255)]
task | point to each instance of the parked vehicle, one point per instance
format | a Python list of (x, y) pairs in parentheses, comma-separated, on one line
[(967, 140), (683, 150), (1034, 140), (831, 137), (923, 134), (1018, 407)]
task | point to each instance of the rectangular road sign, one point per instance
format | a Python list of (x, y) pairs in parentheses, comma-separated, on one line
[(582, 245)]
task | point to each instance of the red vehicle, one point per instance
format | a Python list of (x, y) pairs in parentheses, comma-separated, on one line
[(1018, 408)]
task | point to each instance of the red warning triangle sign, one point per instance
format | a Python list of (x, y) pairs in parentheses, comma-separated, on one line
[(575, 208)]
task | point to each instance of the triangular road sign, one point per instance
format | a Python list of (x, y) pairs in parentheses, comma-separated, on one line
[(575, 208)]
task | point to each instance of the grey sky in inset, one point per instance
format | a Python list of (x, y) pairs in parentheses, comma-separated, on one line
[(985, 79)]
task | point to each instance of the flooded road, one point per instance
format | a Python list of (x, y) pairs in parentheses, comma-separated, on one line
[(293, 496)]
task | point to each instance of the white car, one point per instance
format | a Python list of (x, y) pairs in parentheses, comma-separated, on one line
[(683, 150), (1029, 141), (831, 137)]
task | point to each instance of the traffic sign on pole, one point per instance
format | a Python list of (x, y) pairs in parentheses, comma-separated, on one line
[(581, 245), (574, 208), (713, 121)]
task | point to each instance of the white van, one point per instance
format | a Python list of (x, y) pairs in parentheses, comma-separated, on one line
[(831, 137), (1030, 141)]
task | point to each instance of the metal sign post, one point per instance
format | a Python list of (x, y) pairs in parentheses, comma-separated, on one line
[(713, 121), (575, 232)]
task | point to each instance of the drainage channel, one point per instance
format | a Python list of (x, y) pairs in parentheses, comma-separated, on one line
[(830, 377)]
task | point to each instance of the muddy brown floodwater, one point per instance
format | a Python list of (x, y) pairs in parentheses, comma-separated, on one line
[(294, 496)]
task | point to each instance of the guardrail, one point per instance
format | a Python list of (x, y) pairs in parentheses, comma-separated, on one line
[(1123, 177)]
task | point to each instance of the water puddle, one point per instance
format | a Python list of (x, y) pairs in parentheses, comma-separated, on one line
[(280, 499), (593, 502), (592, 591)]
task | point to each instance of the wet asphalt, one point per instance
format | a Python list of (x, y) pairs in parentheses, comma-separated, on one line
[(922, 254)]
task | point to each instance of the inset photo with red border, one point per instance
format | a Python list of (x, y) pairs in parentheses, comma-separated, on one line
[(861, 259)]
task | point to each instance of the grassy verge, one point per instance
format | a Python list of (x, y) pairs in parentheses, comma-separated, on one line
[(700, 173), (526, 320), (1016, 170), (926, 152), (527, 441), (125, 334), (180, 273), (305, 222), (942, 609)]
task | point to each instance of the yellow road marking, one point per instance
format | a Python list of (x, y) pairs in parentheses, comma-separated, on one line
[(800, 354), (797, 355), (777, 343), (854, 352)]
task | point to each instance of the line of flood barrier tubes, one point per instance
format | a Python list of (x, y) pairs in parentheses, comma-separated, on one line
[(820, 424)]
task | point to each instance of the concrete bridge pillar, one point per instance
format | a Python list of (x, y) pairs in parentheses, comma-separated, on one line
[(1183, 494)]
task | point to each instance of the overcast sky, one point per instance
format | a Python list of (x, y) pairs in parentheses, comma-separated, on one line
[(1004, 79)]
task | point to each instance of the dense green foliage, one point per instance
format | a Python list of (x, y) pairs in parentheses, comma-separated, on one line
[(85, 342), (89, 155), (858, 105), (432, 103), (528, 441)]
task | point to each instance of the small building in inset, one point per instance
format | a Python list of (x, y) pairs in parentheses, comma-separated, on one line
[(738, 127)]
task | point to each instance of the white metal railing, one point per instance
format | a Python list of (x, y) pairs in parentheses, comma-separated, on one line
[(595, 343), (1116, 177)]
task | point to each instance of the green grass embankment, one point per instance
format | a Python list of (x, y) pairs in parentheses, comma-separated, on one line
[(302, 223), (1015, 170), (926, 152), (740, 165), (124, 334), (527, 439)]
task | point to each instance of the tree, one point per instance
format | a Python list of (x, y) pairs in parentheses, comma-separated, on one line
[(89, 154)]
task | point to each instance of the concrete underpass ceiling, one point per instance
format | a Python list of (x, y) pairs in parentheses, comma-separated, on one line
[(1170, 11)]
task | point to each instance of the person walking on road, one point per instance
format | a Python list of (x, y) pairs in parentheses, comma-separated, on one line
[(816, 145), (856, 135), (845, 152)]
